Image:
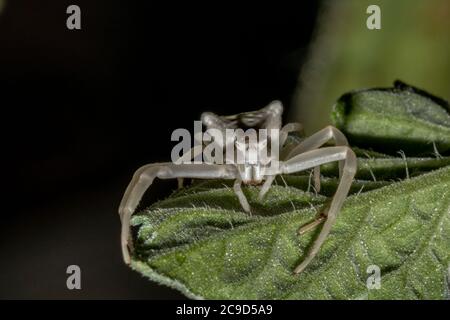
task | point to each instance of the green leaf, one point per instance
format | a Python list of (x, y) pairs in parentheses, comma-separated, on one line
[(390, 167), (201, 243), (400, 118)]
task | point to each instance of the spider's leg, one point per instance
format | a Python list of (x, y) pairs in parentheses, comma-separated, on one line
[(311, 159), (187, 158), (316, 141), (143, 178), (316, 178), (273, 112), (266, 186), (290, 127), (309, 226), (284, 133), (241, 196), (213, 121)]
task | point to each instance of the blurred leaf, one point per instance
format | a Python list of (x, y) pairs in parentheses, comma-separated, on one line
[(389, 120), (412, 45)]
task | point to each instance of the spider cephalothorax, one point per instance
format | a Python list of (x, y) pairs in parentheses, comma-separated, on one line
[(252, 161)]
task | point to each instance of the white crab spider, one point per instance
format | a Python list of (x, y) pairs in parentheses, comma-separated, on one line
[(306, 155)]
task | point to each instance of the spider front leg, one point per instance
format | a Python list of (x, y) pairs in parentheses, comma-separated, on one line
[(313, 142), (314, 158), (288, 128), (143, 178), (237, 187), (187, 157), (317, 140)]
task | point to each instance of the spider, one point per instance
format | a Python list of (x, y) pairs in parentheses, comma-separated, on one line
[(307, 154)]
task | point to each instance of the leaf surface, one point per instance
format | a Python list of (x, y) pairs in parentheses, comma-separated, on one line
[(208, 251)]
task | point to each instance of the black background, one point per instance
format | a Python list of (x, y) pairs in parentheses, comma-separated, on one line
[(82, 109)]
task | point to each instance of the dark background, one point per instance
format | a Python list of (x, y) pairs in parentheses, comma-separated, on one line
[(82, 109)]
